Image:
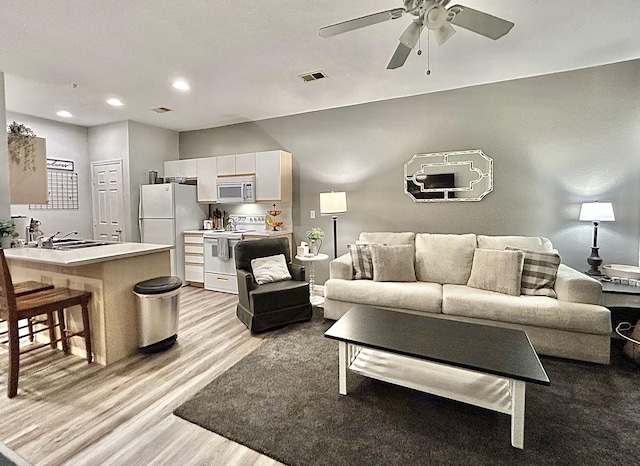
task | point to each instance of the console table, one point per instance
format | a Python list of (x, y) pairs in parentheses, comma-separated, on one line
[(623, 301)]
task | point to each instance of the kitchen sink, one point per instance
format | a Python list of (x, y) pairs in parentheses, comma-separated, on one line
[(70, 244)]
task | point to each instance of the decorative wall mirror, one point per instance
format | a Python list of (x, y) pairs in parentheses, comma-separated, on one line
[(449, 176)]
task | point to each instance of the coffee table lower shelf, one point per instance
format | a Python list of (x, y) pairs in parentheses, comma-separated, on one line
[(501, 394)]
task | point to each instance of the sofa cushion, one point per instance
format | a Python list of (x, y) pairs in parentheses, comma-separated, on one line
[(414, 296), (270, 269), (384, 237), (499, 271), (538, 311), (539, 272), (533, 243), (444, 258), (361, 261), (393, 263)]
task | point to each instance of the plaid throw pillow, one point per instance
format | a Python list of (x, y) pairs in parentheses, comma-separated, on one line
[(539, 272), (362, 262)]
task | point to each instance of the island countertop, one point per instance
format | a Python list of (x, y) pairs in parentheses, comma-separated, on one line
[(84, 256)]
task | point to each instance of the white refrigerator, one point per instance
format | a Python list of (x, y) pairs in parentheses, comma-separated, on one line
[(166, 210)]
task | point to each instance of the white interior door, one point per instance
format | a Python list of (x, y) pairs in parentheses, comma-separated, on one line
[(108, 200)]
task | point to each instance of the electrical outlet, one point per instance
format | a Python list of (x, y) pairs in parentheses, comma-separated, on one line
[(312, 214)]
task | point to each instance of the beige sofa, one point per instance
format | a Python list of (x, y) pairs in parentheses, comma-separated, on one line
[(573, 326)]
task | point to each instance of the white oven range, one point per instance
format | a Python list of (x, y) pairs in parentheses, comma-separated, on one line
[(219, 258)]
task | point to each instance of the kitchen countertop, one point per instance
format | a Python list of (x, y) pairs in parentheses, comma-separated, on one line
[(84, 256), (261, 233)]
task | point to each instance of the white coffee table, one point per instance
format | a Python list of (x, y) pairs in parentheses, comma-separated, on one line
[(315, 300)]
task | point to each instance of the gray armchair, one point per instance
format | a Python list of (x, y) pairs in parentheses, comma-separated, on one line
[(271, 305)]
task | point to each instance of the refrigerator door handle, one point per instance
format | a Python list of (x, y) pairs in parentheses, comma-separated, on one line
[(141, 230)]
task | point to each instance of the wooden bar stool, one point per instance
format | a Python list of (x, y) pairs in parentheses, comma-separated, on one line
[(28, 287), (28, 306)]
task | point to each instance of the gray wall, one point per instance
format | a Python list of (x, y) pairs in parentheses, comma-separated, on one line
[(67, 142), (556, 141), (149, 147)]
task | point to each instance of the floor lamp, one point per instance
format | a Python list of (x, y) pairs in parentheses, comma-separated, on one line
[(334, 204), (596, 212)]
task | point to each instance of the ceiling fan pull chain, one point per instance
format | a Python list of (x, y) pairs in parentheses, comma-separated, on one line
[(428, 54)]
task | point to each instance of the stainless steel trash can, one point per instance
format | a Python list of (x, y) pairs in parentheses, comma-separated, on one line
[(158, 312)]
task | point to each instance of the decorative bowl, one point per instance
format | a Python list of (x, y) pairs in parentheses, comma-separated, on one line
[(621, 271)]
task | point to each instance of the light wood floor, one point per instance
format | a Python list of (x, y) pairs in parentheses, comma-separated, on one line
[(68, 412)]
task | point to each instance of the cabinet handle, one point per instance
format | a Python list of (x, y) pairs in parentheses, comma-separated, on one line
[(223, 279)]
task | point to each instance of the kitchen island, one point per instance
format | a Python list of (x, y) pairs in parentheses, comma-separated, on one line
[(109, 272)]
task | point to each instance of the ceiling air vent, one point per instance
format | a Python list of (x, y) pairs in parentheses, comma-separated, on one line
[(161, 110), (314, 76)]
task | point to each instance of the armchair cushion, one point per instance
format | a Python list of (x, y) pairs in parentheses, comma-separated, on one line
[(270, 269)]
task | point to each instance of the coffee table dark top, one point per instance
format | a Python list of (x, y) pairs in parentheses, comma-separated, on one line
[(494, 350)]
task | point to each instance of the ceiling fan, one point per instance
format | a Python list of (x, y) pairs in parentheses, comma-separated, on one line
[(430, 13)]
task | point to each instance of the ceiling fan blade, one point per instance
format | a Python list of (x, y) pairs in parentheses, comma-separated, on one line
[(444, 33), (361, 22), (408, 41), (399, 57), (479, 22)]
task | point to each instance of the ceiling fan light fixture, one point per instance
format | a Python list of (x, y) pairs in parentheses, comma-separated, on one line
[(444, 33), (435, 16), (411, 35)]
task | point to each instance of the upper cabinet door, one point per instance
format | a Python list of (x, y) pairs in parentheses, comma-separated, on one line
[(207, 173), (186, 167), (226, 165), (273, 176), (245, 164), (30, 186)]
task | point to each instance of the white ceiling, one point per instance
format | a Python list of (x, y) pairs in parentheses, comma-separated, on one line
[(242, 57)]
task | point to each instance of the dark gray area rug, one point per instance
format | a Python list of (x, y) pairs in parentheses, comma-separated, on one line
[(282, 400)]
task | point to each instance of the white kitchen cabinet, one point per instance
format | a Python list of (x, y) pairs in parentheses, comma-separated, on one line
[(194, 258), (238, 164), (274, 176), (207, 171), (186, 167), (245, 164), (226, 165), (30, 186)]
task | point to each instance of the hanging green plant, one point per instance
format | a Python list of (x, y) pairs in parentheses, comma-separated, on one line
[(22, 148)]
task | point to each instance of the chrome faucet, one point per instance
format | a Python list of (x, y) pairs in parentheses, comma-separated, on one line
[(68, 234), (47, 243)]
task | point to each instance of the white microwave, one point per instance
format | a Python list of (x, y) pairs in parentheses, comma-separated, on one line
[(236, 189)]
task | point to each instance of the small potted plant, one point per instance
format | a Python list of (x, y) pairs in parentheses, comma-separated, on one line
[(7, 233), (315, 236)]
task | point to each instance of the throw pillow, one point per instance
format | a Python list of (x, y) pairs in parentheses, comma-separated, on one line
[(539, 272), (270, 269), (393, 263), (495, 270), (361, 260)]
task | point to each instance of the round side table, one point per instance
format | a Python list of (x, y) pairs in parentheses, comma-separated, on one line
[(315, 300)]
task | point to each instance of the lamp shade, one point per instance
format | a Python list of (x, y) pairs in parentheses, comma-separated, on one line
[(597, 212), (333, 203)]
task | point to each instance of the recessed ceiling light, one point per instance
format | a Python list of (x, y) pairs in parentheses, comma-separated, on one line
[(64, 114), (115, 102), (181, 85)]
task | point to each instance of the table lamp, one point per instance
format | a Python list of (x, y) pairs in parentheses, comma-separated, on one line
[(596, 212), (334, 204)]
